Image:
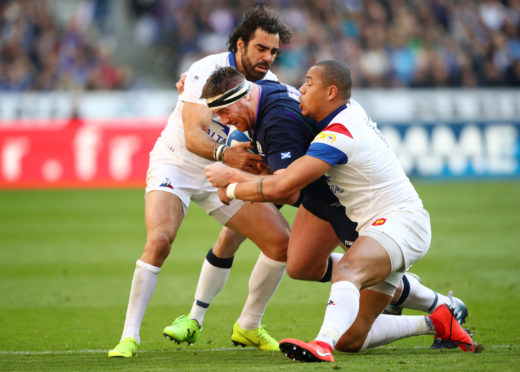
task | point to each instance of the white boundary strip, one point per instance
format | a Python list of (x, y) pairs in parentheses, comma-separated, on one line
[(96, 351)]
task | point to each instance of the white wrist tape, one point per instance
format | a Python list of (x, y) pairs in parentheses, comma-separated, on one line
[(230, 191)]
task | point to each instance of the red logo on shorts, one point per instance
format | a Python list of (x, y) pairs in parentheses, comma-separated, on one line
[(379, 222)]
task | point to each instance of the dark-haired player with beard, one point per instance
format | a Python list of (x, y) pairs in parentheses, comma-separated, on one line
[(190, 141)]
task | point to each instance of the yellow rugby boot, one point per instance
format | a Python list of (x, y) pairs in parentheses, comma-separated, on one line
[(127, 348), (258, 337)]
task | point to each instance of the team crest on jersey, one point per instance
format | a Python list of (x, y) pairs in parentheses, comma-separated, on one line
[(286, 155), (325, 137), (379, 222)]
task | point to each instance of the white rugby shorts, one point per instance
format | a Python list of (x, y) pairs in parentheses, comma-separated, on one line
[(406, 236), (169, 172)]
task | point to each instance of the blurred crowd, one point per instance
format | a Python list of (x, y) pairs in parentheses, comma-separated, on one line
[(38, 53), (386, 43)]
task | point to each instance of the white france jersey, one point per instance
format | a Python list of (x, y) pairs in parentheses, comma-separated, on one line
[(365, 176), (198, 73)]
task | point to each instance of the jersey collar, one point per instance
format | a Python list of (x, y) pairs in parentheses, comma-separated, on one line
[(232, 60), (324, 122)]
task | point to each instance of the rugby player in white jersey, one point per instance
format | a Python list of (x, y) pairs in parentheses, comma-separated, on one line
[(394, 229), (190, 141)]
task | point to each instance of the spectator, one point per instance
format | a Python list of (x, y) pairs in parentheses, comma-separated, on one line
[(386, 43)]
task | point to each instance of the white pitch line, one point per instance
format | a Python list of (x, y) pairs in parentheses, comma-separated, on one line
[(94, 351)]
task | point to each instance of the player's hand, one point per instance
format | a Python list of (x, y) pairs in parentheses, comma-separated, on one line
[(180, 84), (220, 175), (223, 196), (238, 157), (263, 168)]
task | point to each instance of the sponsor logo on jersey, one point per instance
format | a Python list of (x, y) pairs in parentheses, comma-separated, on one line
[(336, 189), (325, 137), (331, 303), (286, 155), (338, 128), (379, 222)]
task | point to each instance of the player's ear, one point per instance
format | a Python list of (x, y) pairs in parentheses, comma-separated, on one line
[(241, 45), (333, 92)]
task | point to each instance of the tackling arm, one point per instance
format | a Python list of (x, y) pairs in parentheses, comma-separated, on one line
[(196, 119), (280, 188)]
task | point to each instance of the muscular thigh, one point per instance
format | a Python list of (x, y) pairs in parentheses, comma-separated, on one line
[(163, 216), (264, 225), (366, 263), (163, 211), (312, 240)]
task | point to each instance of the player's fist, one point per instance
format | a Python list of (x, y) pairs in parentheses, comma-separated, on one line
[(223, 196), (239, 157), (220, 175)]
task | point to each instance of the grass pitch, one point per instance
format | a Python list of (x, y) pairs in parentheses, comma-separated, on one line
[(67, 259)]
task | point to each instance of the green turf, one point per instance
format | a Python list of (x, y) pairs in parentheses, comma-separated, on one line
[(67, 258)]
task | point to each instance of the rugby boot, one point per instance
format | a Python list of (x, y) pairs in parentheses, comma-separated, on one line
[(126, 348), (448, 329), (313, 351), (460, 312), (257, 337), (183, 329)]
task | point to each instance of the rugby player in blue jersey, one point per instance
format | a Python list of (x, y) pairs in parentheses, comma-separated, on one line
[(266, 111)]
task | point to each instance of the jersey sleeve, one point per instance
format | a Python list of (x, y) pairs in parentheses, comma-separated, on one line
[(334, 145), (195, 79)]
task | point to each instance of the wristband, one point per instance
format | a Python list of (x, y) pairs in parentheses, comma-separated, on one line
[(218, 153), (230, 191)]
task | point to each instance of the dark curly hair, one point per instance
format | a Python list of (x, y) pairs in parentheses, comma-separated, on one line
[(259, 17)]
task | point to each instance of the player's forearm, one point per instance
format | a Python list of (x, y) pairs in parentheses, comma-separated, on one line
[(266, 188), (196, 119)]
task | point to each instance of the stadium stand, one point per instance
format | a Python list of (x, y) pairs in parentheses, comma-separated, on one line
[(392, 43)]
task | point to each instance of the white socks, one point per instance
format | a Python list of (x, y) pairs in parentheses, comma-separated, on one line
[(211, 281), (390, 328), (264, 280), (420, 297), (143, 285), (341, 312)]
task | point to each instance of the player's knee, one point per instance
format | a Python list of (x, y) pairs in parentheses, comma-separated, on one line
[(349, 345), (348, 270), (227, 243), (158, 247), (304, 271), (276, 253), (276, 247)]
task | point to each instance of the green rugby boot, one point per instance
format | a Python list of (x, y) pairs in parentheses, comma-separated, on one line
[(254, 337), (183, 329), (126, 348)]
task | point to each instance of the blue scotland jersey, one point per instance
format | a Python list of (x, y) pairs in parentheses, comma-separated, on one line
[(281, 135)]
